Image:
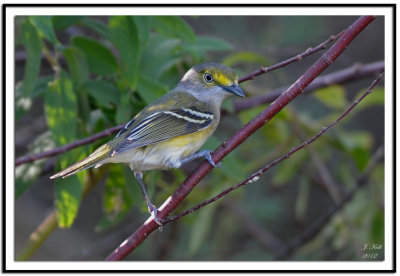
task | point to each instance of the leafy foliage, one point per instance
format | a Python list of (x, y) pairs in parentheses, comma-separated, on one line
[(117, 74)]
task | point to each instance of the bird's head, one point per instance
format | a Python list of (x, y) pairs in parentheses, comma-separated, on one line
[(211, 81)]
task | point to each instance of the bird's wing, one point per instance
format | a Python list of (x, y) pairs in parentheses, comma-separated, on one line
[(153, 127)]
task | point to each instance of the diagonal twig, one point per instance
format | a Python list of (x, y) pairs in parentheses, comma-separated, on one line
[(255, 176), (299, 57)]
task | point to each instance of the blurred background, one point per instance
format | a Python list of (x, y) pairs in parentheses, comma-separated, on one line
[(77, 76)]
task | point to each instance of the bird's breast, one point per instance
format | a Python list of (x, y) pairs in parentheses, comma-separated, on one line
[(164, 154)]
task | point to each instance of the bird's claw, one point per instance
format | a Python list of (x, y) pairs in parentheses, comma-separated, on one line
[(154, 214), (209, 159)]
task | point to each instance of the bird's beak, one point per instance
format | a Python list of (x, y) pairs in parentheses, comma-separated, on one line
[(235, 89)]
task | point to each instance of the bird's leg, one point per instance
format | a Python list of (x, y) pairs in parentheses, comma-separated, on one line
[(152, 209), (204, 153)]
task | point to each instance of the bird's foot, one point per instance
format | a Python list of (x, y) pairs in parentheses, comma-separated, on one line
[(207, 156), (154, 214)]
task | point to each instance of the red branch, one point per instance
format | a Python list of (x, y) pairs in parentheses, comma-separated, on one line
[(240, 136)]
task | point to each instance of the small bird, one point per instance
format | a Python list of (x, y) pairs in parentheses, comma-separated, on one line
[(169, 132)]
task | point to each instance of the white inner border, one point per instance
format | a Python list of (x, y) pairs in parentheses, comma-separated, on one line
[(266, 11)]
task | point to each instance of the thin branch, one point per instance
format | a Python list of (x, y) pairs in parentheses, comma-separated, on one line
[(317, 225), (240, 136), (53, 61), (67, 147), (299, 57), (348, 74), (255, 176), (354, 72), (38, 236)]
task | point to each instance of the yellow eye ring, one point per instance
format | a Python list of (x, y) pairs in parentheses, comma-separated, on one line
[(208, 78)]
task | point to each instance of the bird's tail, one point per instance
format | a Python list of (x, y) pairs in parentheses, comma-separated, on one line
[(92, 160)]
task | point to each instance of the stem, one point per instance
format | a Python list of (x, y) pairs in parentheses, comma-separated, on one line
[(39, 236), (53, 61)]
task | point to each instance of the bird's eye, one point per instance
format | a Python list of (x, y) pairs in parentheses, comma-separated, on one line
[(208, 77)]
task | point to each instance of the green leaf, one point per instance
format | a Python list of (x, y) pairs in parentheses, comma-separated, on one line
[(120, 195), (104, 92), (97, 26), (45, 27), (61, 114), (124, 110), (117, 196), (358, 144), (173, 27), (79, 69), (77, 64), (69, 190), (244, 57), (63, 22), (68, 198), (143, 24), (203, 44), (61, 110), (333, 96), (159, 56), (377, 97), (149, 89), (100, 59), (41, 86), (361, 157), (83, 109), (33, 44), (124, 35), (201, 228), (355, 139)]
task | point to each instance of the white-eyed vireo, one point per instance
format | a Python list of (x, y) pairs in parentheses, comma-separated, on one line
[(167, 133)]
